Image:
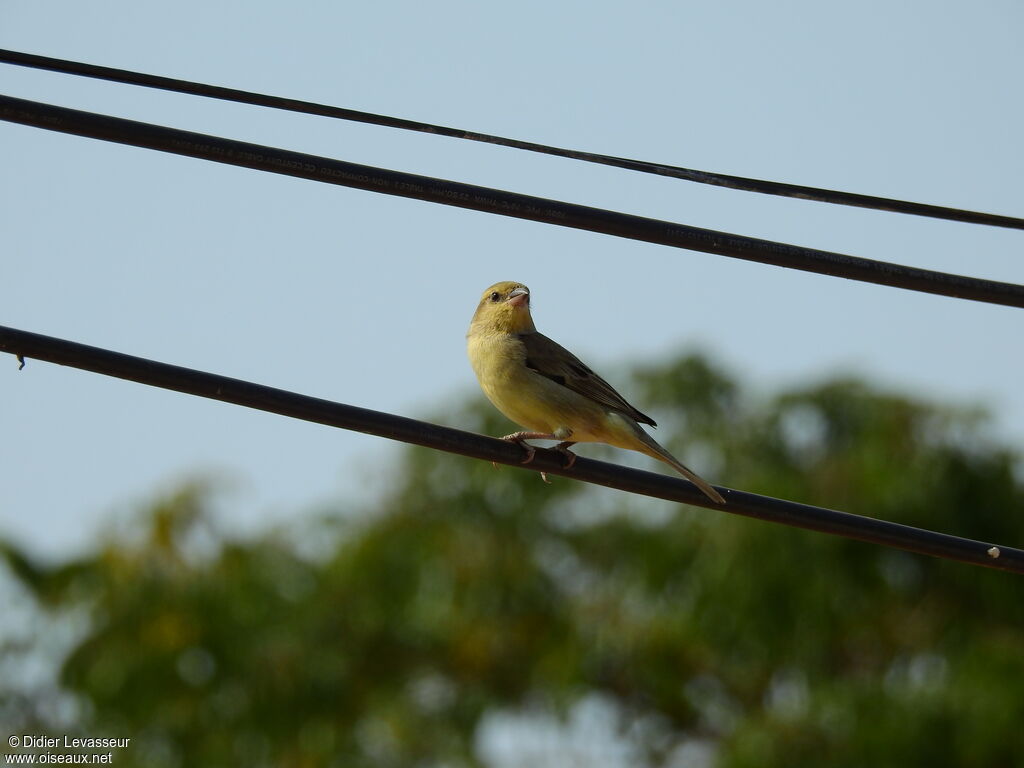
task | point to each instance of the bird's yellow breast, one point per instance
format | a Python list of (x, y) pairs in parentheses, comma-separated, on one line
[(529, 399), (499, 361)]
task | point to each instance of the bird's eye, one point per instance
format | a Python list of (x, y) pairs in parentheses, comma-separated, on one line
[(495, 296)]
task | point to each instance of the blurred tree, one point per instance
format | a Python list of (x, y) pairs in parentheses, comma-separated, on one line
[(395, 636)]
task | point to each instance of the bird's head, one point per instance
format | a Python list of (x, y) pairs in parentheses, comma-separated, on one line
[(505, 307)]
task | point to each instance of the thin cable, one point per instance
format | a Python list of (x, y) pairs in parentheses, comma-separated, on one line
[(702, 177), (24, 344), (496, 201)]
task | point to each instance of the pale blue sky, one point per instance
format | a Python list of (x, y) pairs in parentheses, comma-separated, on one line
[(364, 298)]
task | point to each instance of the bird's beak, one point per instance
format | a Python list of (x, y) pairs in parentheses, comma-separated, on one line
[(519, 297)]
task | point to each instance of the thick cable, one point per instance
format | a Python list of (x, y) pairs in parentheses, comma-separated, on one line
[(453, 193), (643, 166), (24, 344)]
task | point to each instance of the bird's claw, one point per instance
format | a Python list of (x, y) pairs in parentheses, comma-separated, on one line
[(531, 452), (570, 457)]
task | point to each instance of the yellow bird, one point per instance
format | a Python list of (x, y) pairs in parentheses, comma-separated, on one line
[(542, 386)]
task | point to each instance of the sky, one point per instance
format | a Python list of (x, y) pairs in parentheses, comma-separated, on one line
[(365, 298)]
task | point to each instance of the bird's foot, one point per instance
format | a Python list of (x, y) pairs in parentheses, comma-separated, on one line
[(520, 437), (563, 448)]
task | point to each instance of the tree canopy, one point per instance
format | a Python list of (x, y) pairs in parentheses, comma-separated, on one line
[(395, 635)]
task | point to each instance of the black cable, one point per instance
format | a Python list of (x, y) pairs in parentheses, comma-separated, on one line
[(25, 344), (703, 177), (501, 202)]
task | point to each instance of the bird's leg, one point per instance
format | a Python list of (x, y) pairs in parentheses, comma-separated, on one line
[(563, 448), (519, 437)]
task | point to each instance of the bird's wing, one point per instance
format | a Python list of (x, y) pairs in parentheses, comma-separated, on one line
[(555, 362)]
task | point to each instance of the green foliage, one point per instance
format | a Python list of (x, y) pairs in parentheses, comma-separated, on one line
[(470, 591)]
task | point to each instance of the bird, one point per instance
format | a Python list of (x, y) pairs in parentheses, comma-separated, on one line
[(543, 387)]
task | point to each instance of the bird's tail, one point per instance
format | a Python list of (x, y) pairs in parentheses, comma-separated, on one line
[(656, 451)]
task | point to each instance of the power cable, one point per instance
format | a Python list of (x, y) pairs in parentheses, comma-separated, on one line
[(496, 201), (702, 177), (24, 344)]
